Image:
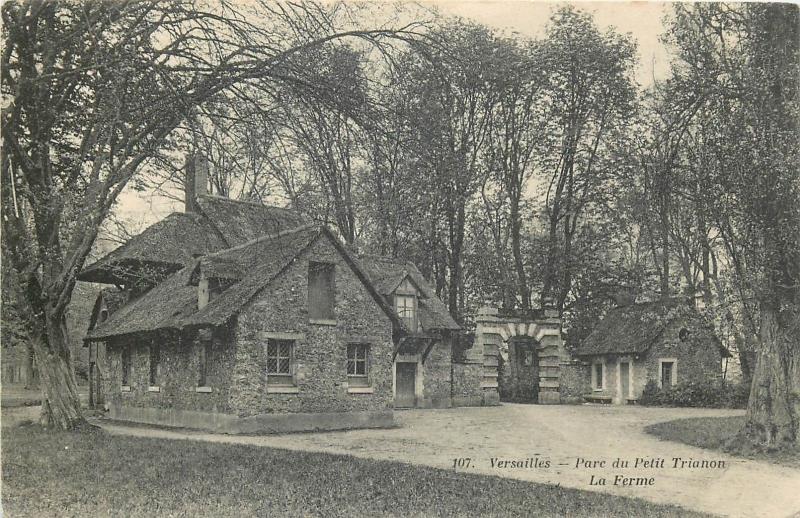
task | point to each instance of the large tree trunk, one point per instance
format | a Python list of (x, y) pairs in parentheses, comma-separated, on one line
[(774, 406), (61, 406)]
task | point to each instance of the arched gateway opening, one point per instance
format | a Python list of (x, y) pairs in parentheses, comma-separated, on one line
[(518, 378), (523, 354)]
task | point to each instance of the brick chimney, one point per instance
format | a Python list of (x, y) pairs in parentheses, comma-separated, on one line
[(196, 180)]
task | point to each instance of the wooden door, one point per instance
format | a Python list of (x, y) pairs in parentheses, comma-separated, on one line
[(405, 385), (624, 381)]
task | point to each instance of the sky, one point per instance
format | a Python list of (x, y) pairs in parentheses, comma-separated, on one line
[(643, 20)]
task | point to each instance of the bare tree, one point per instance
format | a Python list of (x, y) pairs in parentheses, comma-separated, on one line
[(92, 92), (591, 94)]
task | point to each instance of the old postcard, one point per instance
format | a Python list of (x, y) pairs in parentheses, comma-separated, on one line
[(457, 258)]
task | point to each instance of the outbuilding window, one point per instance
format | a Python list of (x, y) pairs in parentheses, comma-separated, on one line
[(321, 291), (669, 372), (358, 365), (598, 381), (280, 359)]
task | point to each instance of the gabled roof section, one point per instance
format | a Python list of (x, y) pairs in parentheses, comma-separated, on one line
[(387, 273), (270, 257), (166, 306), (237, 262), (176, 240), (110, 299), (168, 244), (263, 260), (240, 222), (173, 303), (634, 328)]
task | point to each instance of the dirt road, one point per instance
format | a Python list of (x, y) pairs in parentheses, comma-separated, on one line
[(575, 446)]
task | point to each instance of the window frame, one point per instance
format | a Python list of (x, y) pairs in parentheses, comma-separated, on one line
[(154, 352), (413, 321), (598, 379), (126, 366), (205, 355), (673, 371), (280, 379), (354, 378)]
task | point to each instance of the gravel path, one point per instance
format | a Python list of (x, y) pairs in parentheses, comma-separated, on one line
[(570, 438)]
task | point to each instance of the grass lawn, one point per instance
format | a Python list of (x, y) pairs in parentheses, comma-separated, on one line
[(98, 474), (713, 433)]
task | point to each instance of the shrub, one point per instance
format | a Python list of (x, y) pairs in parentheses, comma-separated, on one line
[(702, 394)]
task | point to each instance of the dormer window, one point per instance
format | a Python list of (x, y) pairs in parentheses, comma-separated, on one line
[(210, 289), (405, 304), (406, 307)]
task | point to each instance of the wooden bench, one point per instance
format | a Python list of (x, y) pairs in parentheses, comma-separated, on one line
[(596, 398)]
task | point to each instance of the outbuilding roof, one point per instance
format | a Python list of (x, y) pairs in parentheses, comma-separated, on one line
[(173, 242), (165, 306), (632, 329)]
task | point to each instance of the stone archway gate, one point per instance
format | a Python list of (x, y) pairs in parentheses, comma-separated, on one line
[(493, 331)]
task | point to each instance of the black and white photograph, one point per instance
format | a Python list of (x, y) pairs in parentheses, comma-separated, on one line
[(455, 258)]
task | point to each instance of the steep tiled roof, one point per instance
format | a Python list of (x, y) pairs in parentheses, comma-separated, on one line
[(166, 306), (387, 273), (240, 222), (253, 266), (634, 328), (270, 257), (180, 237), (173, 242)]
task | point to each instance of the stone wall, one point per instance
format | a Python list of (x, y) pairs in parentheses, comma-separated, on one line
[(178, 373), (699, 358), (437, 381), (575, 377), (320, 349)]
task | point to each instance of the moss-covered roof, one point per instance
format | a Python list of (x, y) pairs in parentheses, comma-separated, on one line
[(634, 328), (166, 306), (387, 273), (176, 240), (240, 222), (172, 304), (260, 262), (173, 242)]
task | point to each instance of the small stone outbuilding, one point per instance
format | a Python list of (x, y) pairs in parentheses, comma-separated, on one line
[(667, 342)]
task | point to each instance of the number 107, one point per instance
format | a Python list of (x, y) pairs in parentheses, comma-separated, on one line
[(461, 462)]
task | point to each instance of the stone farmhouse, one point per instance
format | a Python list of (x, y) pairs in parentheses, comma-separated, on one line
[(667, 342), (240, 317)]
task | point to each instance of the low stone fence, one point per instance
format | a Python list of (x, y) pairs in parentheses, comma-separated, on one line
[(256, 425)]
